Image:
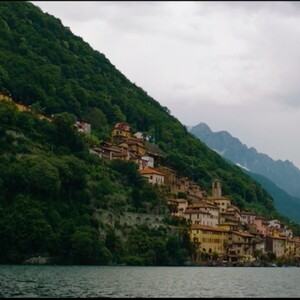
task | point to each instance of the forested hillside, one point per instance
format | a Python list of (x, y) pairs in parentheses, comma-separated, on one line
[(50, 183)]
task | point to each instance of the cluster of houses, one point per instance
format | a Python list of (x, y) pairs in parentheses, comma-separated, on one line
[(221, 228), (81, 125), (125, 146), (217, 227)]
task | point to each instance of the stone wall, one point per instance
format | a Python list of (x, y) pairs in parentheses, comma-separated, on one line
[(128, 218)]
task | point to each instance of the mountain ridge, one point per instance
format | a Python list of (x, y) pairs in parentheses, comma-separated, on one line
[(284, 174)]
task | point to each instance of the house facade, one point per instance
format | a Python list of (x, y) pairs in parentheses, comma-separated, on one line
[(210, 239), (153, 176), (122, 130)]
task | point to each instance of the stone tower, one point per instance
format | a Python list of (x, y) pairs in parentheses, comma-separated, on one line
[(216, 188)]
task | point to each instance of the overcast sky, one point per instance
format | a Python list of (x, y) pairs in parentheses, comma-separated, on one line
[(233, 65)]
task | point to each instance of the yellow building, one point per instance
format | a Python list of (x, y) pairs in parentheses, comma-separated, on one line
[(210, 239), (23, 108), (241, 245), (136, 146), (5, 97), (230, 225), (121, 129)]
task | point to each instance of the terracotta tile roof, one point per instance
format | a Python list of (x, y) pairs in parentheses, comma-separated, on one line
[(179, 200), (248, 213), (121, 125), (194, 211), (150, 171), (276, 237), (243, 234), (233, 208), (205, 227), (226, 213), (110, 149), (131, 139), (199, 205)]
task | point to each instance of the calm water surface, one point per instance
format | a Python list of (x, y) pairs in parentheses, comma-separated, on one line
[(148, 282)]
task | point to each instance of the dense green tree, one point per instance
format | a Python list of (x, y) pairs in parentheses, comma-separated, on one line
[(86, 248), (128, 171), (28, 233), (50, 184), (66, 133), (44, 177), (114, 244)]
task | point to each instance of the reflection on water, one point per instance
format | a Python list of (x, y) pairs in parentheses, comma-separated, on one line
[(148, 282)]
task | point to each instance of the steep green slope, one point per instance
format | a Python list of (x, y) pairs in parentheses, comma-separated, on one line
[(43, 62), (50, 183)]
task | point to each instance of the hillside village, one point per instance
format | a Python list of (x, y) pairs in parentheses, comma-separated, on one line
[(217, 227), (220, 231)]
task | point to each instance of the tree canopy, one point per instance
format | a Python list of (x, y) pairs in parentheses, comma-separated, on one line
[(50, 183)]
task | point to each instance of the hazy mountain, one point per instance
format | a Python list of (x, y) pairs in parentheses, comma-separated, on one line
[(280, 178), (285, 204)]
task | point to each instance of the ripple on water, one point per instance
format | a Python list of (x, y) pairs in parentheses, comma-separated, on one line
[(147, 282)]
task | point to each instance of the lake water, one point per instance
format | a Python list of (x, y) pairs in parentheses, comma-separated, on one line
[(148, 282)]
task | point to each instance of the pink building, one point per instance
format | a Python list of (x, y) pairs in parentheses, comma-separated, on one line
[(261, 225)]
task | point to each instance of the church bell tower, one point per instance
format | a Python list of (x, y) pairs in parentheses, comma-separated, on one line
[(216, 188)]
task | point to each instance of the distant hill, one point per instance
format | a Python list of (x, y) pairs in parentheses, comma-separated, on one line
[(280, 178), (285, 204)]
